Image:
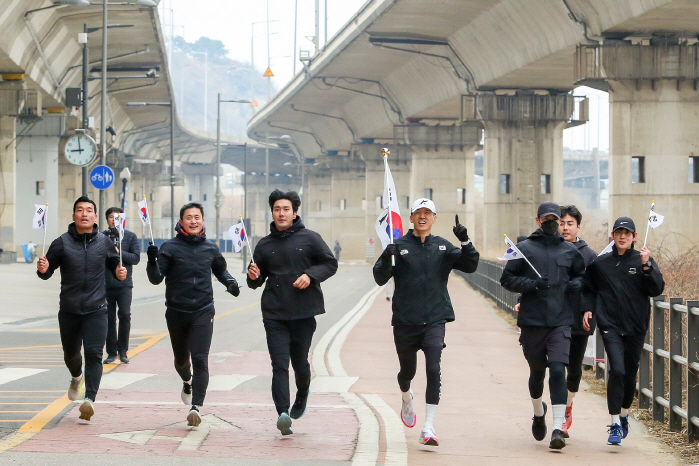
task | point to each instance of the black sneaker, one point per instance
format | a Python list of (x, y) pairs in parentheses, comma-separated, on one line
[(557, 440), (110, 359), (123, 358), (299, 407), (539, 425)]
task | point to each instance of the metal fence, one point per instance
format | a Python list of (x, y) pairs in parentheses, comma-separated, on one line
[(658, 358)]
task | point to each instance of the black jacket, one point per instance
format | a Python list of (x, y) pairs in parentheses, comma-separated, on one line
[(186, 263), (556, 259), (618, 292), (130, 256), (83, 259), (282, 257), (421, 274), (589, 255)]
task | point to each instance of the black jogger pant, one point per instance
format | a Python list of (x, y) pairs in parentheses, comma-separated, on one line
[(88, 331), (623, 356), (428, 338), (190, 336), (578, 345), (118, 341), (289, 340)]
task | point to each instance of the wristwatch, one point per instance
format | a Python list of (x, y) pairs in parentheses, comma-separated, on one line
[(466, 243), (649, 268)]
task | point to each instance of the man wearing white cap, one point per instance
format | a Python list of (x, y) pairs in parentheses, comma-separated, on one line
[(421, 304)]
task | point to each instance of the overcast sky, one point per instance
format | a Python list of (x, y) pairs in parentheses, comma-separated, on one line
[(230, 21)]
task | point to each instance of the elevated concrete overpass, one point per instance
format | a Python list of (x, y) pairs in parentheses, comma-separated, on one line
[(434, 79), (40, 58)]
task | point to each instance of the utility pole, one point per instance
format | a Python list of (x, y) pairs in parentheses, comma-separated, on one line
[(103, 116), (86, 116)]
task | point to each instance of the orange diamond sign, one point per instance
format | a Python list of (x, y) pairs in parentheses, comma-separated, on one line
[(268, 73)]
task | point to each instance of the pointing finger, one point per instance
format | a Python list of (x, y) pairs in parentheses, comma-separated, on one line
[(456, 219)]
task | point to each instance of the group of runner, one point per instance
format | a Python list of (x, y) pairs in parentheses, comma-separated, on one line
[(560, 304)]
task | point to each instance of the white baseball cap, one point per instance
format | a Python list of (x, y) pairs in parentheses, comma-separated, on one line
[(423, 202)]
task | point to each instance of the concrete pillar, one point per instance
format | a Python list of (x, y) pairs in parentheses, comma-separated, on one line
[(319, 202), (348, 188), (659, 124), (8, 181), (523, 161)]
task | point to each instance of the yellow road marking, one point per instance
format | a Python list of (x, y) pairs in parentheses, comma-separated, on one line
[(19, 412), (32, 391), (39, 421), (30, 347), (12, 420), (5, 404)]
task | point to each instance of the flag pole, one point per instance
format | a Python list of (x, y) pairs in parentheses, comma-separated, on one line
[(524, 257), (46, 214), (247, 239), (385, 153), (119, 235), (152, 241), (652, 206)]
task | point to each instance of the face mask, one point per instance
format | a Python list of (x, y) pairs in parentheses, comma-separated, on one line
[(550, 227)]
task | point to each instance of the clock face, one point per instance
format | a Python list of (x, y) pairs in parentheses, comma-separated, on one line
[(80, 149)]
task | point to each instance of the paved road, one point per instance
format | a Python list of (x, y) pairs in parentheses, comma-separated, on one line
[(484, 416)]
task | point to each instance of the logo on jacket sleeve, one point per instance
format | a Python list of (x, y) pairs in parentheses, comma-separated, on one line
[(403, 252), (632, 270)]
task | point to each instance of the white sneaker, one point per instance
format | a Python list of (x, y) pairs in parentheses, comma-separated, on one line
[(186, 394), (77, 385), (87, 410), (428, 437), (407, 413), (193, 418)]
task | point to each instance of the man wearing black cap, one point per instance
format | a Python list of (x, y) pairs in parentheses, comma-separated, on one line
[(545, 315), (618, 286)]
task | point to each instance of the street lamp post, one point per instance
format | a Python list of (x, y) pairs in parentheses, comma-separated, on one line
[(170, 104), (218, 158), (124, 175)]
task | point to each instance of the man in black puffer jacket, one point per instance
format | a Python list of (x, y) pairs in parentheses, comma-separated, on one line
[(83, 254), (293, 260), (185, 263), (119, 293), (546, 314)]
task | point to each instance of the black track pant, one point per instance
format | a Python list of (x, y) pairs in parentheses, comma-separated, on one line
[(88, 331), (190, 336), (578, 345), (289, 340), (547, 347), (118, 341), (623, 356), (428, 338)]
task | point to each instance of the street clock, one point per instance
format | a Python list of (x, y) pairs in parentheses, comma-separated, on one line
[(79, 149)]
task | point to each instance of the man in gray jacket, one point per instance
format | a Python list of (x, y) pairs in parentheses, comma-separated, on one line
[(119, 293)]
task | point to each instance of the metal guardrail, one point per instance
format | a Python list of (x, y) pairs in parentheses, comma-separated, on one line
[(651, 378)]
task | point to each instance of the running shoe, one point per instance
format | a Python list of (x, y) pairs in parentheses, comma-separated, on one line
[(569, 418), (77, 385), (624, 425), (284, 424), (428, 437), (193, 418), (407, 413), (123, 358), (558, 441), (615, 435), (87, 410), (110, 359), (299, 407), (186, 394), (565, 431), (539, 425)]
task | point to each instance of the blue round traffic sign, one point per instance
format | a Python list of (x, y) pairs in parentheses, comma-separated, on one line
[(101, 177)]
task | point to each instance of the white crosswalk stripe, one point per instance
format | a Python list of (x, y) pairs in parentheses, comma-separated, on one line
[(10, 374)]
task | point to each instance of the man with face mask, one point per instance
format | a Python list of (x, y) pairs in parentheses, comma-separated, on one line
[(546, 314)]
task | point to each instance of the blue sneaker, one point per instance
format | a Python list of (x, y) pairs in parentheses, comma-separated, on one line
[(614, 435), (624, 425)]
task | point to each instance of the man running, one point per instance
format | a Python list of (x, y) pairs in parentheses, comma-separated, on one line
[(83, 254), (119, 292), (569, 228), (294, 261), (186, 262), (421, 304), (546, 314), (618, 288)]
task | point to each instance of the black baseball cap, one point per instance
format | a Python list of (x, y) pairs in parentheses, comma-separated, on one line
[(625, 223), (549, 208)]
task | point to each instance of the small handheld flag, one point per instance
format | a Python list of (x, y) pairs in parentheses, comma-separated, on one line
[(39, 221), (389, 225), (606, 250), (514, 253), (120, 225), (145, 218), (237, 234), (654, 221)]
